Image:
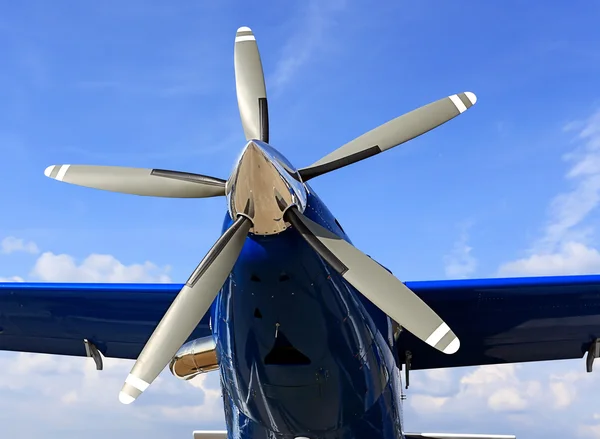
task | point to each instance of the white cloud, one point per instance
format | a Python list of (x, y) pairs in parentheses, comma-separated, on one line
[(460, 263), (12, 279), (590, 431), (11, 244), (563, 248), (570, 258), (68, 395), (563, 394), (70, 392), (428, 403), (95, 268), (495, 388), (507, 399), (438, 383), (304, 41), (520, 396), (501, 388)]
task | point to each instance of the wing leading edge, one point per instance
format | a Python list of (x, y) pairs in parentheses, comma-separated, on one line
[(510, 320)]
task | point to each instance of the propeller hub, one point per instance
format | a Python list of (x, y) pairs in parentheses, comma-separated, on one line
[(262, 186)]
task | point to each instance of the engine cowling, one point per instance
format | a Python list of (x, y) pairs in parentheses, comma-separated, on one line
[(194, 358)]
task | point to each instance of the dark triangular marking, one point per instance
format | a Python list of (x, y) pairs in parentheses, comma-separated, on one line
[(284, 354)]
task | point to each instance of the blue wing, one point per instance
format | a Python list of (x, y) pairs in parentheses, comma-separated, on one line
[(497, 320), (510, 320), (55, 318)]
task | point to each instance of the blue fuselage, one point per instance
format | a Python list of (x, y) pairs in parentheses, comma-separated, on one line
[(302, 353)]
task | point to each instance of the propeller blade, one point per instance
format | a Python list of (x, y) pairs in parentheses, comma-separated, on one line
[(250, 86), (186, 311), (138, 181), (392, 133), (376, 284)]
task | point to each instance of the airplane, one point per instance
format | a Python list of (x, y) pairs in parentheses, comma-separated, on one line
[(310, 336)]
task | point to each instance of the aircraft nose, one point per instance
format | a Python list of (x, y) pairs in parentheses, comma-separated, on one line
[(253, 156), (262, 188), (255, 150)]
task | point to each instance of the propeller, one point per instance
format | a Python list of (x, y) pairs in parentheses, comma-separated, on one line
[(392, 133), (250, 190), (250, 86), (186, 311), (376, 284), (148, 182)]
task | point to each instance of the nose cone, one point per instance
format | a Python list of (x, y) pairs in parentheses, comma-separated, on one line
[(254, 149), (263, 185)]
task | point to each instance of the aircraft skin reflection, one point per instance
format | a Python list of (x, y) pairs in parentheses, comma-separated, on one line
[(301, 352)]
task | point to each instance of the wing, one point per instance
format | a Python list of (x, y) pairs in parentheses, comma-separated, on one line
[(509, 320), (497, 320), (55, 318)]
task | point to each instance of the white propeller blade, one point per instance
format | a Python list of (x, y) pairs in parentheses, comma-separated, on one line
[(250, 86), (186, 311), (377, 284), (392, 133), (149, 182)]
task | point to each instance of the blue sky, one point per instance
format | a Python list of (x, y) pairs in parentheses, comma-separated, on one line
[(510, 187)]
